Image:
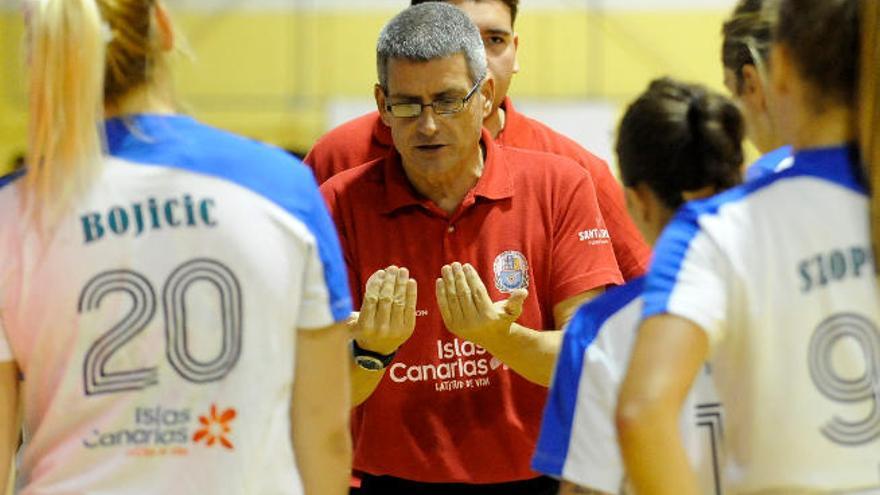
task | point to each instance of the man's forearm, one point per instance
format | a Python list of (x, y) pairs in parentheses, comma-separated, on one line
[(363, 383), (531, 353)]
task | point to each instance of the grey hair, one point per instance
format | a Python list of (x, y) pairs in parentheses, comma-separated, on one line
[(430, 31)]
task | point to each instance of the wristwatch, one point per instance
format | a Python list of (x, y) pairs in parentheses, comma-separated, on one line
[(370, 360)]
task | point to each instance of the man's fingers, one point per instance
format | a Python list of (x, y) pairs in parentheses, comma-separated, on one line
[(367, 316), (398, 304), (409, 312), (443, 302), (513, 306), (480, 295), (386, 297), (351, 322), (451, 293), (463, 292)]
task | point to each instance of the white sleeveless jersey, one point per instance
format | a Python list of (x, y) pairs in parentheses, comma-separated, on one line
[(780, 275), (155, 330), (578, 441)]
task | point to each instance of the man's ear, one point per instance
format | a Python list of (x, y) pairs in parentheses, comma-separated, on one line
[(379, 95), (487, 90), (164, 27), (515, 53)]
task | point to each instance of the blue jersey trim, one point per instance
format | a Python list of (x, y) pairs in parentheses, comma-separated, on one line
[(767, 164), (11, 177), (838, 165), (556, 427), (177, 141)]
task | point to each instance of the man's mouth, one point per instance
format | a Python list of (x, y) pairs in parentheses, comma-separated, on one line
[(429, 147)]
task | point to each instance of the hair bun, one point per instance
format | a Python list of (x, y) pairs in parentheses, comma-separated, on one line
[(678, 137), (697, 113)]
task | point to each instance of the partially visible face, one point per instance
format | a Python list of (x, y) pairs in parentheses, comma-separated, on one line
[(639, 201), (432, 144), (752, 102), (731, 82), (492, 18)]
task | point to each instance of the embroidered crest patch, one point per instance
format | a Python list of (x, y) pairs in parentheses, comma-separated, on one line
[(511, 271)]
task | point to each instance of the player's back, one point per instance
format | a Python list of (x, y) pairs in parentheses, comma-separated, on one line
[(578, 440), (155, 327), (780, 274)]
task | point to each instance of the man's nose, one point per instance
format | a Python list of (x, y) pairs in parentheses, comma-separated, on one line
[(427, 121)]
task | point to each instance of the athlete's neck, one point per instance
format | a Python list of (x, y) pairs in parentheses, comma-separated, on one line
[(153, 99), (834, 126), (494, 123)]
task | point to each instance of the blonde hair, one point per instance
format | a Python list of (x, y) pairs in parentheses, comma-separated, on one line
[(869, 109), (86, 55), (66, 99)]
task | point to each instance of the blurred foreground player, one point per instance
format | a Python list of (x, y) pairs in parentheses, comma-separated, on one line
[(174, 308)]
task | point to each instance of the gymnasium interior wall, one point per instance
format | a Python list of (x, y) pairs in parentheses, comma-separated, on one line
[(284, 71)]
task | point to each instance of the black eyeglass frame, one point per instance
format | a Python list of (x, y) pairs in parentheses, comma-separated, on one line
[(453, 106)]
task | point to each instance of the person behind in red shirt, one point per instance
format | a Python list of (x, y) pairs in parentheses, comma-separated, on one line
[(367, 137), (451, 380)]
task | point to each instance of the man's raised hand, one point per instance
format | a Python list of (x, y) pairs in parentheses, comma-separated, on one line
[(388, 314)]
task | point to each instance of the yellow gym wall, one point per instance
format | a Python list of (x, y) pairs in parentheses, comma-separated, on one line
[(270, 74)]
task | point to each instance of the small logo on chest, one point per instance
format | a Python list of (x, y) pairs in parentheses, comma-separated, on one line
[(511, 271)]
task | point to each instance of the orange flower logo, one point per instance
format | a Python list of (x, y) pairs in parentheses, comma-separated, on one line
[(215, 428)]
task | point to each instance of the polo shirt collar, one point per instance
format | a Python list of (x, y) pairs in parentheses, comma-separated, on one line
[(382, 133), (495, 183), (512, 118)]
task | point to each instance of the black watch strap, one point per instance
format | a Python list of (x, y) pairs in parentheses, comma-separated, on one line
[(370, 360)]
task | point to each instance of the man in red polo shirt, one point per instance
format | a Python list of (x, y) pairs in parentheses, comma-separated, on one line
[(452, 392), (367, 137)]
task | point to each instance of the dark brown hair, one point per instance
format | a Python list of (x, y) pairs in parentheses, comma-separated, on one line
[(679, 137), (747, 34), (512, 5), (822, 37)]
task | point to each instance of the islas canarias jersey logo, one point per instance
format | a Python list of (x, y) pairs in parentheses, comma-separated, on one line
[(162, 431), (216, 428), (460, 365)]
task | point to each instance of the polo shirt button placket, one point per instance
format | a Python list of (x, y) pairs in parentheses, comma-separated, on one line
[(447, 243)]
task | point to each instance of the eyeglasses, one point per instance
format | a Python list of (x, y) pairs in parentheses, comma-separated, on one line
[(441, 107)]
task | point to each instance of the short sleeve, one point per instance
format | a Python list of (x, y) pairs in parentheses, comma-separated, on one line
[(354, 283), (632, 252), (326, 296), (582, 255), (559, 410), (688, 277), (578, 440)]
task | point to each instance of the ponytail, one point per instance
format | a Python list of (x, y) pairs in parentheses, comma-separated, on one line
[(66, 100), (678, 138), (869, 109)]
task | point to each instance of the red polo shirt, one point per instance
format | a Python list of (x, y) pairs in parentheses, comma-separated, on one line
[(366, 138), (446, 411)]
